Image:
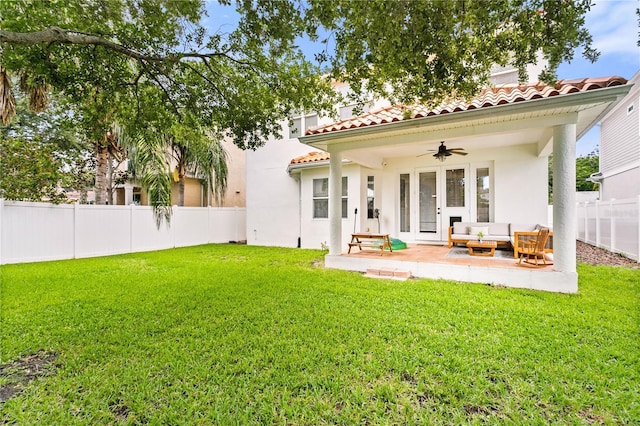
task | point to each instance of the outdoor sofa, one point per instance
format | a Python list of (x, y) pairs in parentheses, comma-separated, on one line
[(505, 234)]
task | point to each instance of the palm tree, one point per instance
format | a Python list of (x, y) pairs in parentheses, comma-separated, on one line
[(191, 150)]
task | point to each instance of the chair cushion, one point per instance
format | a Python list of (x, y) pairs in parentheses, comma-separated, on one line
[(522, 227), (461, 228), (499, 229)]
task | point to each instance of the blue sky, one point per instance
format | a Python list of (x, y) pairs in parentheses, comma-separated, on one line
[(613, 25)]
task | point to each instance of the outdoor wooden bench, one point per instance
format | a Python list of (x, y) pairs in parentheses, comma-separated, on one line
[(367, 239)]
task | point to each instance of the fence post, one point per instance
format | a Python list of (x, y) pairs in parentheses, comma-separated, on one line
[(131, 206), (598, 202), (209, 224), (173, 225), (612, 227), (586, 222), (76, 236)]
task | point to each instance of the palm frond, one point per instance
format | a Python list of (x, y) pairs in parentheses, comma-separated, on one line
[(150, 165), (38, 91)]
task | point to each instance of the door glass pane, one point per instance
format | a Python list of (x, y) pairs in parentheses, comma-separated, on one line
[(345, 196), (483, 197), (405, 200), (455, 188), (428, 216)]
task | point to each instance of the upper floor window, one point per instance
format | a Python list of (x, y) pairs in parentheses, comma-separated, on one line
[(300, 123), (630, 109), (352, 110)]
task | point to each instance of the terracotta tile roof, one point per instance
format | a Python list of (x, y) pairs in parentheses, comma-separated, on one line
[(498, 95), (312, 157)]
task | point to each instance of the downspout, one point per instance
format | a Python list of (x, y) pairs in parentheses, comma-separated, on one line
[(299, 179)]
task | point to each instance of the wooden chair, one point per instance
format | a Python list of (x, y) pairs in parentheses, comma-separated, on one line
[(535, 247)]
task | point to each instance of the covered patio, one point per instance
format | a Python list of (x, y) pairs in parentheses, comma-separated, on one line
[(509, 132)]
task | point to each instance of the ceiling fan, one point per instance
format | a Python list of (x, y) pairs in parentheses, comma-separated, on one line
[(443, 152)]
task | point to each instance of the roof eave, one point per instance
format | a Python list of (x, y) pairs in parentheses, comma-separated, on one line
[(298, 167), (607, 94)]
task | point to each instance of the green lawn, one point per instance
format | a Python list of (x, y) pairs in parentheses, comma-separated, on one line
[(227, 334)]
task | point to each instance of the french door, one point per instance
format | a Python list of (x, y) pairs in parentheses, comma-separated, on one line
[(428, 221), (441, 197)]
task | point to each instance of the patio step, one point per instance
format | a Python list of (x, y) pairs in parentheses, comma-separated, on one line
[(388, 273)]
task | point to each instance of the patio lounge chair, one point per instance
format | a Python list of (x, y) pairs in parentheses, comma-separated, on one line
[(535, 248)]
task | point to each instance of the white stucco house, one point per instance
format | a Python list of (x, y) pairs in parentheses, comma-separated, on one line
[(619, 172), (303, 191)]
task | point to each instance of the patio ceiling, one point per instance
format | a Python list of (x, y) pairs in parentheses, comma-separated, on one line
[(508, 115)]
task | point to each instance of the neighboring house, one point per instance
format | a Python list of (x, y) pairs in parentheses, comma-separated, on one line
[(195, 192), (619, 174), (380, 160)]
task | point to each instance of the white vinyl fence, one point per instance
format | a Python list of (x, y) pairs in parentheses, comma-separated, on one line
[(613, 225), (33, 232)]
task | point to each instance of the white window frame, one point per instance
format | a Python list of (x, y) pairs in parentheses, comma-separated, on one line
[(305, 121), (344, 197), (346, 111)]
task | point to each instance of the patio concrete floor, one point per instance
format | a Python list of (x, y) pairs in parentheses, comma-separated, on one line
[(433, 253), (431, 261)]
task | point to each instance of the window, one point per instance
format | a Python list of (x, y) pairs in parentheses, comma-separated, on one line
[(321, 198), (483, 194), (405, 202), (455, 188), (349, 111), (301, 123), (370, 197), (629, 109)]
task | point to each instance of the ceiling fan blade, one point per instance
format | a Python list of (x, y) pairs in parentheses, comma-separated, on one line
[(459, 152), (427, 152)]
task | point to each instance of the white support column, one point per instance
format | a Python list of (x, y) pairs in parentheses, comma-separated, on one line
[(335, 203), (564, 198)]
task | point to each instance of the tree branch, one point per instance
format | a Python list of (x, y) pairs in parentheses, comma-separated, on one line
[(58, 35)]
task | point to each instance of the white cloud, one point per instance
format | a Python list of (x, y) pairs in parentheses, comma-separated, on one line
[(614, 27)]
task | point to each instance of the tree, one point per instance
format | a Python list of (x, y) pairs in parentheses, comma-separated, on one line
[(414, 50), (151, 64), (31, 171), (54, 131), (585, 167), (424, 51), (202, 154)]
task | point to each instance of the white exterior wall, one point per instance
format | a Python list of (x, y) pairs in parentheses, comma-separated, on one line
[(521, 185), (314, 232), (273, 196), (519, 178), (620, 147), (519, 181), (621, 185)]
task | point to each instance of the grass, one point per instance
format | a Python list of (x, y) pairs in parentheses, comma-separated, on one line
[(224, 334)]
